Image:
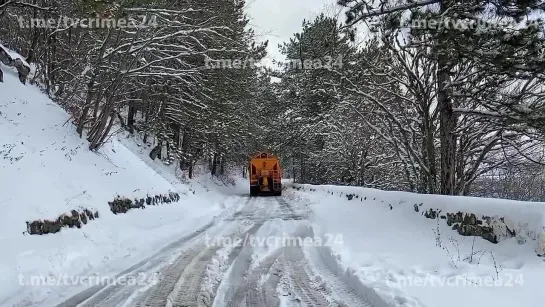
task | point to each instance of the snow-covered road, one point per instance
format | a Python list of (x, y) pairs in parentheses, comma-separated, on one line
[(263, 253)]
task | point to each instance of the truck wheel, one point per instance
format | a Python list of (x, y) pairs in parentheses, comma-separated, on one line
[(253, 191)]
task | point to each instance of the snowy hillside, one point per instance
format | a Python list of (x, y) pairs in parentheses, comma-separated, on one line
[(411, 260), (46, 171)]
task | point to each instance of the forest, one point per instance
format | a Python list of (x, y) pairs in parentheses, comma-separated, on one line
[(428, 96)]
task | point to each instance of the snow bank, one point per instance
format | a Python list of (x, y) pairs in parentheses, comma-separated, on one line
[(413, 261), (526, 219), (46, 170)]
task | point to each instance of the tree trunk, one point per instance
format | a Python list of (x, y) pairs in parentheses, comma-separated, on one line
[(130, 118), (428, 153), (184, 149), (190, 172), (447, 118), (146, 120), (176, 134), (35, 37), (105, 133), (447, 139), (213, 171), (90, 89), (155, 151), (98, 130)]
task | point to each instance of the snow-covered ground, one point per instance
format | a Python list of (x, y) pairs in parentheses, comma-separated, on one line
[(411, 260), (377, 239), (46, 170)]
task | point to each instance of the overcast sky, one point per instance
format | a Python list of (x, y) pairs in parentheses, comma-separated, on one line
[(278, 20)]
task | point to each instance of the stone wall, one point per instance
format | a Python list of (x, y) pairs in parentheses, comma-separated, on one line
[(492, 229), (76, 218), (123, 204), (468, 224), (80, 217)]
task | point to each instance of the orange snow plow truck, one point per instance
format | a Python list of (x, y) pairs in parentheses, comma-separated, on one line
[(265, 175)]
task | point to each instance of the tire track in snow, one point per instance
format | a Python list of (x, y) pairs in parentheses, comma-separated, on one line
[(300, 282), (325, 282), (188, 291), (182, 284), (266, 294), (113, 295), (247, 290), (289, 213), (158, 294), (241, 257), (117, 294), (234, 255), (242, 282), (345, 286)]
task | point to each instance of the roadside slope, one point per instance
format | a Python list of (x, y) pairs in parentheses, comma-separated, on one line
[(46, 170), (411, 260)]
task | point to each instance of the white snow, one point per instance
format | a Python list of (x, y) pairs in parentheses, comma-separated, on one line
[(46, 170), (408, 260), (396, 253), (14, 55)]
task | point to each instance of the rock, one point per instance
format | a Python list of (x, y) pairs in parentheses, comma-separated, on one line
[(65, 220), (22, 68), (74, 219), (431, 214), (470, 219), (489, 236), (453, 218), (510, 232), (122, 205), (459, 217), (35, 228), (89, 214), (83, 217), (485, 232), (52, 226)]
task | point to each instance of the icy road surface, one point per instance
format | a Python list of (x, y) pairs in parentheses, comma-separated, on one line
[(263, 254)]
